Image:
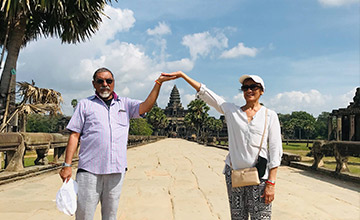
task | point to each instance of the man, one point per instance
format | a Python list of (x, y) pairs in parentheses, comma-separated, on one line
[(101, 122)]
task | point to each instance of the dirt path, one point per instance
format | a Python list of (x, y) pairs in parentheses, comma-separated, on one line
[(174, 179)]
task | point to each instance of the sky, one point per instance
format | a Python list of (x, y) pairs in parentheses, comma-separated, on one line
[(306, 51)]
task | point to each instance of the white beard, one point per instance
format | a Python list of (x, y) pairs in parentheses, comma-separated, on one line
[(104, 94)]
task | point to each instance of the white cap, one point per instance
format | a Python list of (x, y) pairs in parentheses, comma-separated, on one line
[(256, 79)]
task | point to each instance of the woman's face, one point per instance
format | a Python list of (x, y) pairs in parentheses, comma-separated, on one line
[(253, 94)]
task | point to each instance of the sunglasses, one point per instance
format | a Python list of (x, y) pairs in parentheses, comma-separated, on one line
[(252, 87), (101, 81)]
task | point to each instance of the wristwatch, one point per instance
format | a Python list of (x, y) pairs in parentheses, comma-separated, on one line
[(66, 165)]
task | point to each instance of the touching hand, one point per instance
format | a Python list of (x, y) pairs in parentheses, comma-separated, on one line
[(176, 74), (162, 78)]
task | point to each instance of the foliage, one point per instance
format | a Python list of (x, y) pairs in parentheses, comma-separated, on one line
[(74, 103), (157, 119), (197, 115), (213, 125), (302, 124), (23, 21), (139, 126), (321, 126), (43, 123), (36, 100)]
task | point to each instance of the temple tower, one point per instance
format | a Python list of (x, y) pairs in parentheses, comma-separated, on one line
[(175, 114)]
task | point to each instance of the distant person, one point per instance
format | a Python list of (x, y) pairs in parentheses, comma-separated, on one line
[(101, 123), (245, 130)]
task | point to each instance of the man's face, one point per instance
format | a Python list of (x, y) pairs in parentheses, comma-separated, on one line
[(104, 84)]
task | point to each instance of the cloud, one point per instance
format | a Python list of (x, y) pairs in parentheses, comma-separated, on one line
[(203, 43), (161, 29), (184, 64), (334, 3), (312, 101), (68, 68), (238, 51)]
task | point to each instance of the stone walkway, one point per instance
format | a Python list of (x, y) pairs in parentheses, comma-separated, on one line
[(174, 179)]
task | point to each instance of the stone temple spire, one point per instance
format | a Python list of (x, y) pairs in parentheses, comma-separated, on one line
[(174, 107), (174, 101)]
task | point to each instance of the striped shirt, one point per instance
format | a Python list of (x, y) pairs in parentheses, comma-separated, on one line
[(103, 132)]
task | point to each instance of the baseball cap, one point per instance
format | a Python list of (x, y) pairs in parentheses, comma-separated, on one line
[(256, 78)]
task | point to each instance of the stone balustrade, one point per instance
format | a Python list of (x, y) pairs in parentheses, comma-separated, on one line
[(341, 150), (15, 145)]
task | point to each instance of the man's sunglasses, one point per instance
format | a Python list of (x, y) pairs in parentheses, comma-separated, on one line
[(101, 81), (252, 87)]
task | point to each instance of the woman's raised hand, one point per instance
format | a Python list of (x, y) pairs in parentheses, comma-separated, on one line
[(176, 74)]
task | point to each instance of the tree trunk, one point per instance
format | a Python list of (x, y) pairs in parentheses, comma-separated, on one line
[(8, 77)]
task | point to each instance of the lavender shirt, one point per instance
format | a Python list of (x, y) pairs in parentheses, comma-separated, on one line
[(104, 132)]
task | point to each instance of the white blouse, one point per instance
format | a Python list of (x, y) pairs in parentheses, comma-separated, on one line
[(245, 137)]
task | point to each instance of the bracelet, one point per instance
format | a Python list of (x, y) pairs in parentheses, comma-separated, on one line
[(271, 182), (157, 82)]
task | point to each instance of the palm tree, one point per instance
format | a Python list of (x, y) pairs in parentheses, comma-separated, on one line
[(157, 119), (197, 114), (23, 21), (35, 100)]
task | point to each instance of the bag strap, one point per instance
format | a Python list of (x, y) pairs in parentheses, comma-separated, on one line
[(262, 138)]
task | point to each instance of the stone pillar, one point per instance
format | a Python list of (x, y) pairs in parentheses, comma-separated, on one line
[(330, 127), (338, 129), (352, 128)]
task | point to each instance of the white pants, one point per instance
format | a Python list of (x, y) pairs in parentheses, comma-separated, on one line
[(94, 188)]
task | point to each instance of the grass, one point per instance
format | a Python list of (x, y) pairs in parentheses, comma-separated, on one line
[(29, 159), (329, 162)]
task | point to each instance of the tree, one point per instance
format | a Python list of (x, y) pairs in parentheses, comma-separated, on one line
[(34, 100), (321, 126), (287, 126), (157, 119), (139, 126), (43, 123), (74, 103), (196, 116), (304, 123), (23, 21), (214, 125)]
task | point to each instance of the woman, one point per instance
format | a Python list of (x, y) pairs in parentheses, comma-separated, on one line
[(245, 130)]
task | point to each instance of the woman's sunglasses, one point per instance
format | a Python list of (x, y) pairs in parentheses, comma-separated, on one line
[(101, 81), (252, 87)]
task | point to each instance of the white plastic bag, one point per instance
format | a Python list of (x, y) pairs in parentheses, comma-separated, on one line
[(66, 197)]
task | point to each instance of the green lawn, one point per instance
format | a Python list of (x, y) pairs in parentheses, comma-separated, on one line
[(329, 162), (29, 159)]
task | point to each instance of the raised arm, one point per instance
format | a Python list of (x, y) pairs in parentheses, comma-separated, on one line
[(151, 99), (179, 74)]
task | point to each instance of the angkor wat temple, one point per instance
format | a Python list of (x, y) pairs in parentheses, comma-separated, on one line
[(175, 114)]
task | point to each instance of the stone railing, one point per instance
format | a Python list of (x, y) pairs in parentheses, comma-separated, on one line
[(341, 150), (15, 145)]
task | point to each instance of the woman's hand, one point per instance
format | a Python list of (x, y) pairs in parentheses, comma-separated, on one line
[(163, 78), (269, 193), (176, 74)]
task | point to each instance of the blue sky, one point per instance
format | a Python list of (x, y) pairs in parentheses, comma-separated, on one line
[(306, 51)]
